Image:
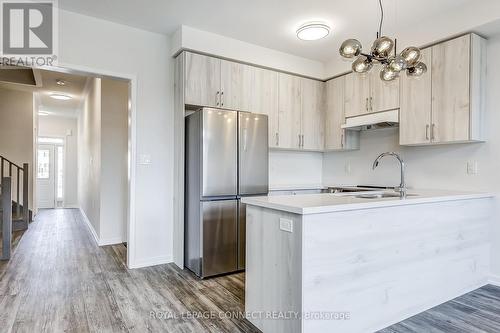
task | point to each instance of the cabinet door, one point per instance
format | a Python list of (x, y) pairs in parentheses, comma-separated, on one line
[(383, 95), (236, 82), (356, 94), (202, 80), (264, 100), (313, 116), (334, 114), (450, 90), (416, 106), (290, 115)]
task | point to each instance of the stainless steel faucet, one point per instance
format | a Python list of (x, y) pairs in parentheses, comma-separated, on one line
[(402, 186)]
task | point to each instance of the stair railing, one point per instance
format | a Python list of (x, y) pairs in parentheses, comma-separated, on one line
[(14, 170), (6, 205)]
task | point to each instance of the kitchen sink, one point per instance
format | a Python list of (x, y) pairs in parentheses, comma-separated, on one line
[(380, 195)]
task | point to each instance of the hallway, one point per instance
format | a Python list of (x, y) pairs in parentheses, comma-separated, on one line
[(60, 280)]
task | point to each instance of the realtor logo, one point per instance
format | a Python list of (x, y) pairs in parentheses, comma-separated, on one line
[(27, 28)]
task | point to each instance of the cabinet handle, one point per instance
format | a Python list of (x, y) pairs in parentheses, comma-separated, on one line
[(277, 139), (342, 140), (367, 104), (302, 140), (222, 98), (217, 98), (427, 132), (371, 103), (433, 129)]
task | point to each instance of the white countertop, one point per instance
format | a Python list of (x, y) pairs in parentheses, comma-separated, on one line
[(326, 203), (296, 187)]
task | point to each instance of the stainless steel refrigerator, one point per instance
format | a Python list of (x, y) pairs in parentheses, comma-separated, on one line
[(226, 159)]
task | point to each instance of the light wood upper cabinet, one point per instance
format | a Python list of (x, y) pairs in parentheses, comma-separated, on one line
[(337, 138), (451, 90), (290, 113), (236, 84), (445, 105), (202, 80), (313, 115), (383, 95), (416, 105), (264, 100), (334, 134), (356, 94)]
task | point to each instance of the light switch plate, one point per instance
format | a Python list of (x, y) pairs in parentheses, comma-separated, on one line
[(472, 168), (145, 159), (286, 225)]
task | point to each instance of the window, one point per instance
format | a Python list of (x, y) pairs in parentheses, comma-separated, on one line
[(43, 170), (57, 141), (60, 170)]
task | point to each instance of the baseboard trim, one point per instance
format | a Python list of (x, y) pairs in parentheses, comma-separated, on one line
[(161, 260), (494, 280), (90, 226), (110, 241)]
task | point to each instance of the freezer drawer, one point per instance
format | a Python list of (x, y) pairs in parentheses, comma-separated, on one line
[(253, 154), (220, 153), (220, 237)]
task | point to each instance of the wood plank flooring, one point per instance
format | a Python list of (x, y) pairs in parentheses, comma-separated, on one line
[(59, 280)]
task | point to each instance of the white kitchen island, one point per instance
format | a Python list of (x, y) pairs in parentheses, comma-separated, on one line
[(338, 263)]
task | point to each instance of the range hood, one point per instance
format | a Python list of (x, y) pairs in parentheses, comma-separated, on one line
[(377, 120)]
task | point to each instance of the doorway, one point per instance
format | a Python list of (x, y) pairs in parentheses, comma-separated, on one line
[(50, 173)]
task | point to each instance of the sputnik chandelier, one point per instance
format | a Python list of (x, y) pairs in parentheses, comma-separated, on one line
[(384, 52)]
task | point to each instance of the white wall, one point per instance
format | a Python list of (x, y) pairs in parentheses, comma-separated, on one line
[(290, 168), (16, 130), (442, 167), (57, 126), (92, 44), (89, 156), (114, 149), (187, 38)]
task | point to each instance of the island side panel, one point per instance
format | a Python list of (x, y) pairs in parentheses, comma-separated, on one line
[(387, 264), (273, 270)]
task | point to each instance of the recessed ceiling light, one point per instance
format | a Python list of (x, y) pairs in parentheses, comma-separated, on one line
[(60, 82), (60, 97), (313, 31), (43, 113)]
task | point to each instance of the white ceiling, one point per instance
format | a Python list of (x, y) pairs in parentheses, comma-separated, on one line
[(75, 86), (270, 23)]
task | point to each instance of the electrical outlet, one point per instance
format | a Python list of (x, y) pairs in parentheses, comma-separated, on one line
[(347, 168), (472, 168), (286, 225)]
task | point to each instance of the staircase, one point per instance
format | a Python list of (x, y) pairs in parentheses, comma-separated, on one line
[(14, 205)]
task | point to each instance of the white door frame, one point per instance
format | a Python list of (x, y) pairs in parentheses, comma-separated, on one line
[(132, 143), (52, 173), (65, 152)]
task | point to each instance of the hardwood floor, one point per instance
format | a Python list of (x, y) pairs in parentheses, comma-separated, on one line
[(59, 280)]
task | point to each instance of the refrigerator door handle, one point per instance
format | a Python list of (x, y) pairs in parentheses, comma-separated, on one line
[(245, 139)]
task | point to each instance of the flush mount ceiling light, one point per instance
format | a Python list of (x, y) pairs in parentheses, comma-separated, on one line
[(384, 52), (313, 31), (61, 97)]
